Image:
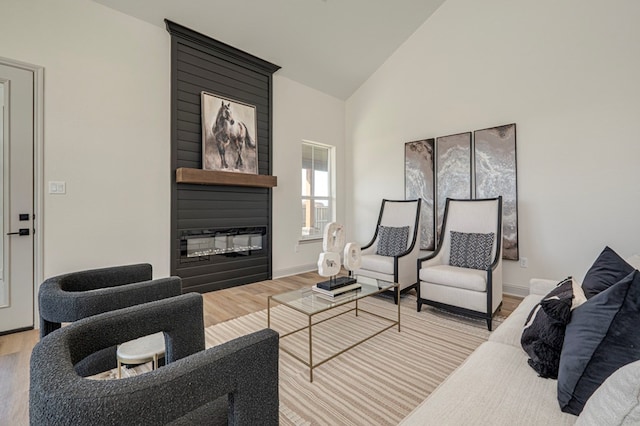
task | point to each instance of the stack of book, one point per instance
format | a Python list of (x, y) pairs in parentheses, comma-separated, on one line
[(336, 288)]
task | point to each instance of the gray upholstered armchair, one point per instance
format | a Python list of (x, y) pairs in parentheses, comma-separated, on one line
[(77, 295), (464, 274), (235, 382), (394, 249)]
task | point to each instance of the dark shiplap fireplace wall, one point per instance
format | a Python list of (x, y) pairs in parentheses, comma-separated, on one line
[(200, 63)]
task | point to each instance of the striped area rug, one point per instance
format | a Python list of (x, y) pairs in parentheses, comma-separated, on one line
[(379, 381)]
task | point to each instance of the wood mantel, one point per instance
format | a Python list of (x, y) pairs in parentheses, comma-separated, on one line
[(213, 177)]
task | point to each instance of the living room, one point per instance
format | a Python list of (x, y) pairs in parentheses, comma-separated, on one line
[(564, 72)]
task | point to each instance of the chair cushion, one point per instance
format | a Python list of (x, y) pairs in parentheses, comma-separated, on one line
[(608, 269), (471, 250), (392, 241), (377, 263), (453, 276), (602, 336), (543, 332)]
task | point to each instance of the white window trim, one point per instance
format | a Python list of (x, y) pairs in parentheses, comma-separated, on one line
[(332, 185)]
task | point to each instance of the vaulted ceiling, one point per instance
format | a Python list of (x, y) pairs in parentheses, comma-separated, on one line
[(329, 45)]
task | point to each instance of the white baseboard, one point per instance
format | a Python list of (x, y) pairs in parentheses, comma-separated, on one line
[(515, 290), (287, 272)]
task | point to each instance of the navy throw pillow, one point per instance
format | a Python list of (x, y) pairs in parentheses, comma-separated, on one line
[(602, 336), (543, 332), (608, 269)]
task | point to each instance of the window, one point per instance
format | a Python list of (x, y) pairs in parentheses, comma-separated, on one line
[(317, 189)]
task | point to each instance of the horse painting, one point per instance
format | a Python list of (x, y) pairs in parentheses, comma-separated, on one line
[(228, 132)]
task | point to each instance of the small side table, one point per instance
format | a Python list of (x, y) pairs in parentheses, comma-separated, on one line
[(141, 350)]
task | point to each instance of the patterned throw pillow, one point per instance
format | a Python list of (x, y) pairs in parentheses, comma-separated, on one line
[(544, 329), (471, 250), (392, 241)]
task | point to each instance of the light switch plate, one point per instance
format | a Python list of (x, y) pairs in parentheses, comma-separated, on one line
[(57, 187)]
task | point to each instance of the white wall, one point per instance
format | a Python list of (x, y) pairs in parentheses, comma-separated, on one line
[(301, 113), (107, 134), (107, 130), (3, 289), (565, 72)]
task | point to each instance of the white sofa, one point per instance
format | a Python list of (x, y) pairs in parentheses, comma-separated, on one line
[(495, 385)]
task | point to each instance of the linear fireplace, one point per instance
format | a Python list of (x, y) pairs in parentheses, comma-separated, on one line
[(203, 243)]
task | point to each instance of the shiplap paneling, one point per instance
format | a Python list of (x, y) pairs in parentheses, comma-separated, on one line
[(200, 63)]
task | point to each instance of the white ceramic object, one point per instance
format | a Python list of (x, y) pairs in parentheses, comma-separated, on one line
[(333, 238), (328, 264), (352, 257)]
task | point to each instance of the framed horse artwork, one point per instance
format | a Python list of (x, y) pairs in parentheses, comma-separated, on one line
[(229, 139)]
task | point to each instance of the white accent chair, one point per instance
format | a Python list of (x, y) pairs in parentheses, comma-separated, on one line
[(471, 292), (398, 269)]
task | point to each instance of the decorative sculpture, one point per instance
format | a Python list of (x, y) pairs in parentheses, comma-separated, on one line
[(332, 243), (329, 261), (352, 257), (333, 237), (328, 264)]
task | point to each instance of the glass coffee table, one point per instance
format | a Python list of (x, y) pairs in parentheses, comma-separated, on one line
[(310, 303)]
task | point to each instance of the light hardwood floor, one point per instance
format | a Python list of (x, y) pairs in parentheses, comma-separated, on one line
[(219, 306)]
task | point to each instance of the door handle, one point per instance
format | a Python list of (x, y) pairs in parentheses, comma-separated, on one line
[(21, 231)]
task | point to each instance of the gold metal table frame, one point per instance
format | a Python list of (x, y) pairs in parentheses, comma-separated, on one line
[(315, 304)]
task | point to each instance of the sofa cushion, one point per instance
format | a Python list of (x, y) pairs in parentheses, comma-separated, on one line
[(602, 336), (471, 250), (377, 263), (608, 269), (392, 241), (453, 276), (494, 386), (510, 331), (543, 332), (541, 286), (616, 402)]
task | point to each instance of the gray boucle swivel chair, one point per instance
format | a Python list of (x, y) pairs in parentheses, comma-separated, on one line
[(235, 382), (70, 297)]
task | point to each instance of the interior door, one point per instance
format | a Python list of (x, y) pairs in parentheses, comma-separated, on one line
[(16, 197)]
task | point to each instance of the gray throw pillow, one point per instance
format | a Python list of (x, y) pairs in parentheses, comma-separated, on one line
[(615, 402), (392, 241), (471, 250)]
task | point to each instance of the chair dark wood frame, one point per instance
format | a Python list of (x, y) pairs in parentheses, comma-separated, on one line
[(397, 292), (488, 316)]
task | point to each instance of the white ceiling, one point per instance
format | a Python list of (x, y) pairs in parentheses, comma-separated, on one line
[(330, 45)]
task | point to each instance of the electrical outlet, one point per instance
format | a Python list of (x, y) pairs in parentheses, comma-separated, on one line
[(524, 262)]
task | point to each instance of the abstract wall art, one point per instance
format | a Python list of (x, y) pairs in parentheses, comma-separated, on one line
[(461, 167), (419, 182), (453, 171), (495, 174)]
